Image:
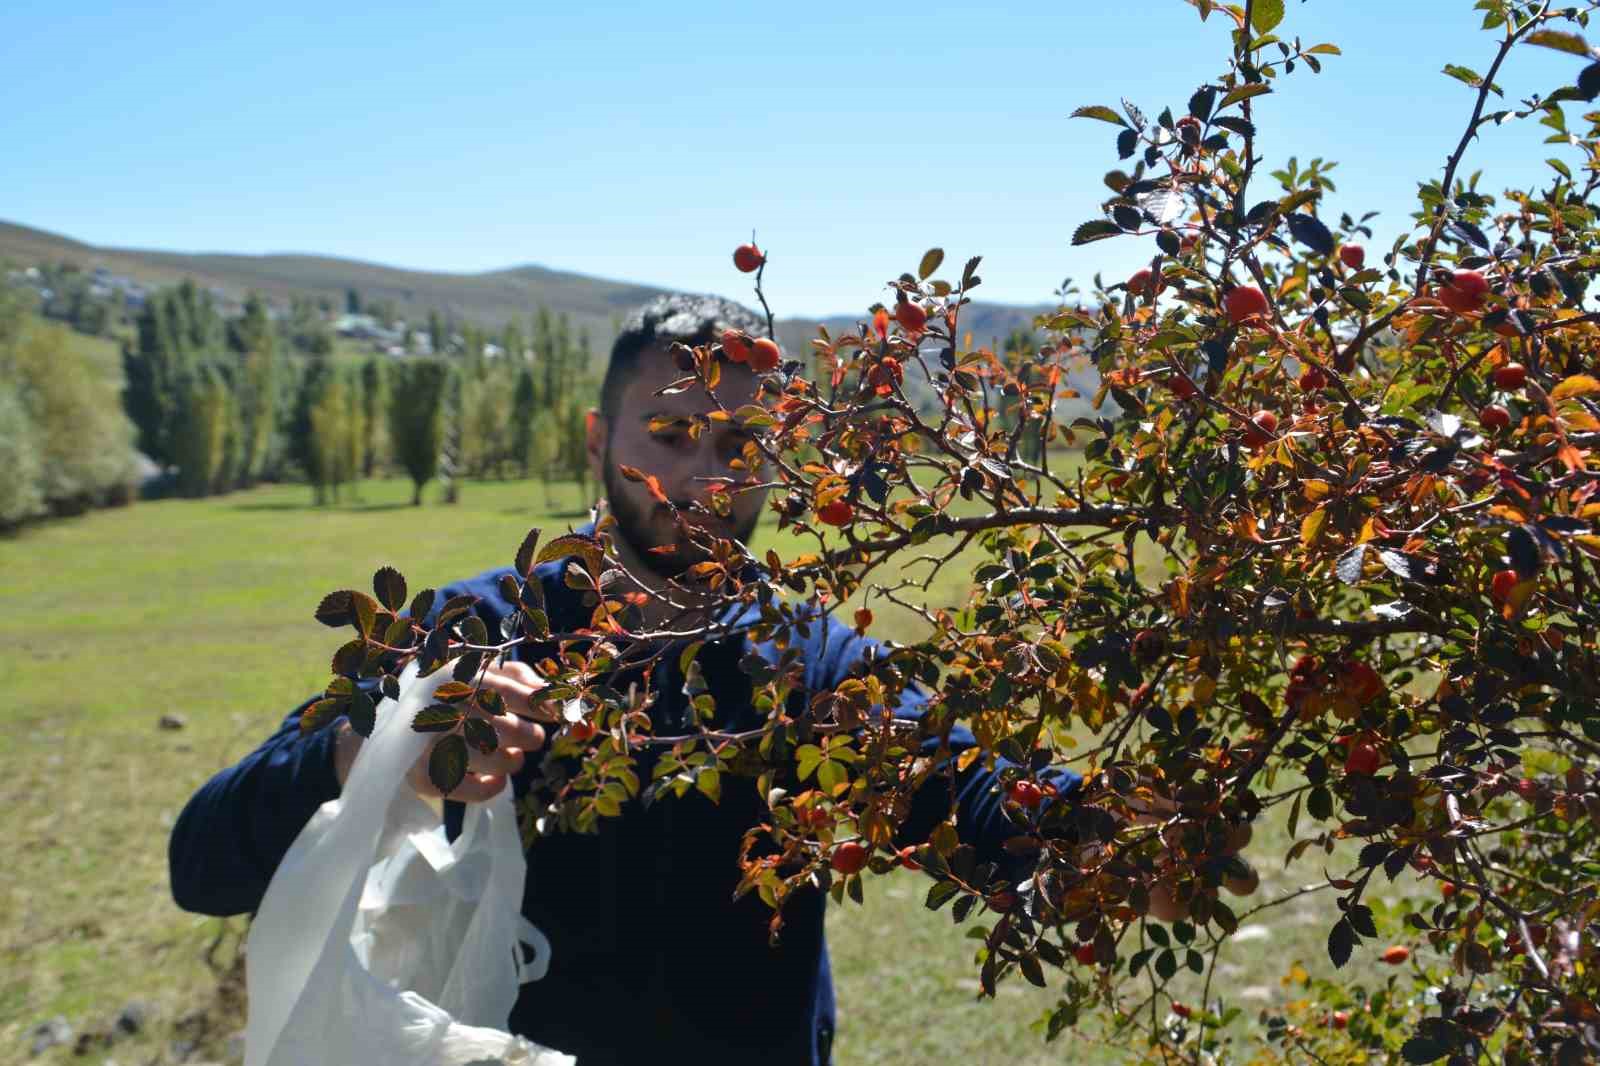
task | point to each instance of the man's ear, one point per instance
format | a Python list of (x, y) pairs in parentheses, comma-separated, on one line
[(595, 430)]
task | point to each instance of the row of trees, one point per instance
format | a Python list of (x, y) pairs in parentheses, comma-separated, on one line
[(227, 403), (65, 444)]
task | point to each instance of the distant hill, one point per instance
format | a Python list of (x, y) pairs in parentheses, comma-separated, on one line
[(489, 299)]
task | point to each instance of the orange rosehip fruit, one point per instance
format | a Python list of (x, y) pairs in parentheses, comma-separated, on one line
[(911, 316), (1395, 955), (765, 355)]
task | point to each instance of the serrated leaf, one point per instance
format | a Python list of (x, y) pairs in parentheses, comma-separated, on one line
[(1402, 564), (389, 585), (320, 714), (452, 692), (1097, 230), (480, 734), (422, 603), (1127, 142), (1309, 231), (1468, 76), (1561, 41), (1589, 81), (930, 262), (1341, 942), (467, 667), (1265, 15), (709, 784), (525, 554), (581, 545), (1576, 385), (447, 763), (1421, 1049), (1099, 111), (437, 718), (1245, 92), (1311, 525), (362, 712), (1243, 127), (1350, 563), (1524, 552), (337, 609), (1201, 103)]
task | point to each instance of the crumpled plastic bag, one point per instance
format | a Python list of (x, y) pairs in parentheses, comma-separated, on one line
[(382, 943)]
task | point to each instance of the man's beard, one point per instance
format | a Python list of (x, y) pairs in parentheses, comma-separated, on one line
[(635, 525)]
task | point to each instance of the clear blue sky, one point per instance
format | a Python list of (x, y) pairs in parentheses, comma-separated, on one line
[(643, 141)]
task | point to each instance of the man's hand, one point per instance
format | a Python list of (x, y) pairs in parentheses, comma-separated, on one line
[(518, 685), (1153, 811)]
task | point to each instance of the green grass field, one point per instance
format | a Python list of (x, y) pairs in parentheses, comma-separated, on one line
[(203, 609)]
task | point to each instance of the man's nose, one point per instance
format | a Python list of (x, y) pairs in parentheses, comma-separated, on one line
[(703, 463)]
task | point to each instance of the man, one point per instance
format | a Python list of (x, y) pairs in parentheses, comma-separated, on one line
[(650, 954)]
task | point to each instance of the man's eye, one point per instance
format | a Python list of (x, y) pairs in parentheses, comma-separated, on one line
[(671, 440)]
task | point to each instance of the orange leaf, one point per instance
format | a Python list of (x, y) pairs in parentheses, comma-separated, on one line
[(654, 485)]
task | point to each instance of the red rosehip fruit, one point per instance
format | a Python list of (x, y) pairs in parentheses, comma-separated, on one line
[(748, 258), (837, 513), (1259, 433), (1026, 794), (1464, 291), (1503, 584), (1144, 282), (1363, 758), (1353, 256), (1313, 379), (1244, 304), (736, 346), (1494, 416), (911, 316), (1510, 377), (848, 858)]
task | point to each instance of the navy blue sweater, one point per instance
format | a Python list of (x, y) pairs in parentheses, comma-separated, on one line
[(649, 950)]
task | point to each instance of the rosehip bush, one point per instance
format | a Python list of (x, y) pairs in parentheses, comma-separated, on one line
[(1365, 479)]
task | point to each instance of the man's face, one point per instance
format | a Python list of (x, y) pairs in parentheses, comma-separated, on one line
[(677, 460)]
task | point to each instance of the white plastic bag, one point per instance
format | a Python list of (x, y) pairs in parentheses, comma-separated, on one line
[(381, 942)]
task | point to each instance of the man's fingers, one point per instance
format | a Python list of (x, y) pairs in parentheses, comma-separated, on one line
[(519, 685), (476, 788)]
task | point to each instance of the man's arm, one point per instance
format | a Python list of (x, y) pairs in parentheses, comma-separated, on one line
[(234, 831)]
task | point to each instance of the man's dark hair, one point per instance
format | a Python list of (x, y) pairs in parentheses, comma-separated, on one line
[(656, 325)]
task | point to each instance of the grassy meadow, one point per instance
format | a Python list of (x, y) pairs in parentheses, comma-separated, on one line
[(203, 609)]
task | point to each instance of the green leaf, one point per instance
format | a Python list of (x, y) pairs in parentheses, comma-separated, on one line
[(832, 776), (447, 763), (1469, 77), (1420, 1049), (389, 585), (1201, 103), (1101, 112), (1245, 92), (1098, 230), (1559, 40), (480, 734), (437, 718), (941, 893), (930, 262), (348, 660), (1265, 15), (807, 758), (363, 714), (524, 561), (337, 609), (709, 782), (1166, 965), (422, 603), (1324, 50), (320, 714), (573, 544), (1032, 970)]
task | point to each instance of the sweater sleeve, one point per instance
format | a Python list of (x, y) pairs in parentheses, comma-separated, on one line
[(980, 814), (236, 829)]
